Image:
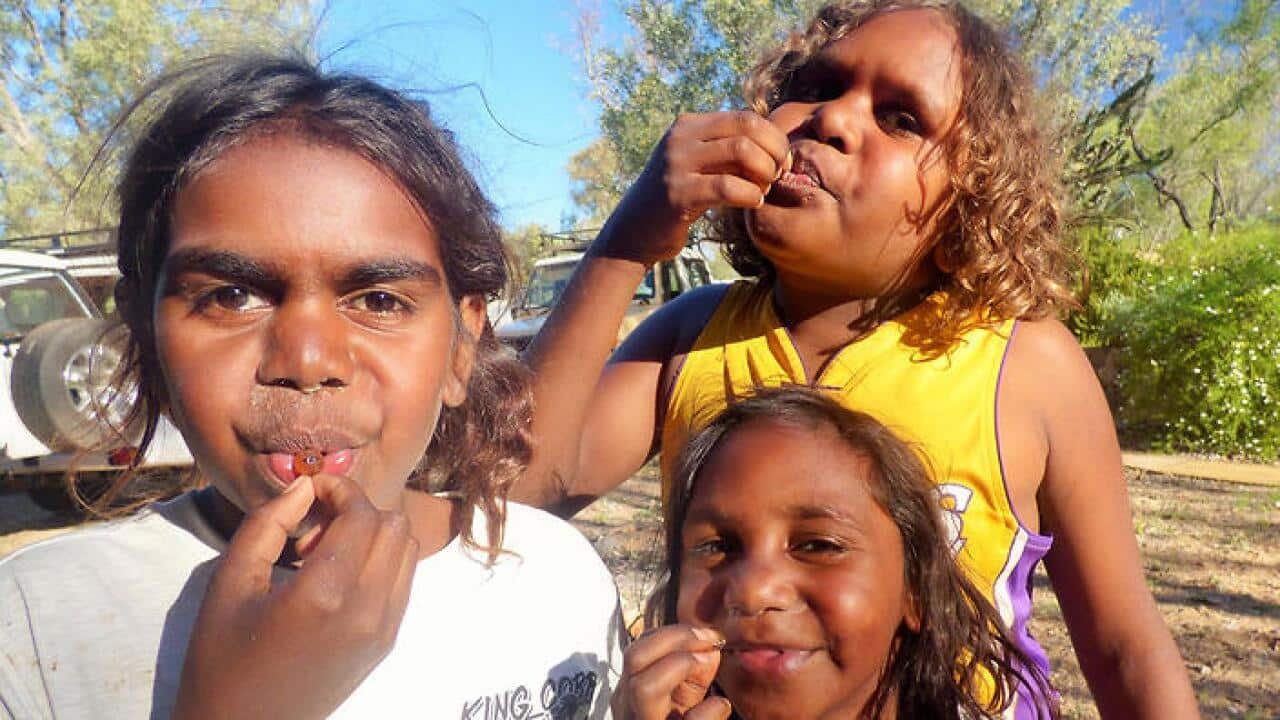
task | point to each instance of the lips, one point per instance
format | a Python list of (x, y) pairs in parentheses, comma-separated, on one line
[(766, 661), (798, 184), (335, 462)]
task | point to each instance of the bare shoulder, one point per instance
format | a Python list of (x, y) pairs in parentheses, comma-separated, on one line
[(1047, 363)]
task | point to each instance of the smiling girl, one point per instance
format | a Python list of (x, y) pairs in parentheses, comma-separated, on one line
[(304, 265), (891, 200), (811, 577)]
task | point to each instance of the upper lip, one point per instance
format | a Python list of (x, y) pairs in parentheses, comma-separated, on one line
[(806, 159), (290, 440)]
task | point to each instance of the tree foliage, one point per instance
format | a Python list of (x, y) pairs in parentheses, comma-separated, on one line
[(1152, 135), (70, 66)]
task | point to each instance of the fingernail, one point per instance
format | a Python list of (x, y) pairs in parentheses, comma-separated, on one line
[(786, 164), (706, 658), (760, 202), (297, 481)]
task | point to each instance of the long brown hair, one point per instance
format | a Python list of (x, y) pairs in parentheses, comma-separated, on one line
[(962, 661), (215, 104), (999, 234)]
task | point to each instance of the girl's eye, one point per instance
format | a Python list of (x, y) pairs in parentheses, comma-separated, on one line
[(708, 548), (818, 546), (379, 302), (232, 298), (899, 121)]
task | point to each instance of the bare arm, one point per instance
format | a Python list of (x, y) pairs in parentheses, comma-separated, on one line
[(1128, 656), (590, 436)]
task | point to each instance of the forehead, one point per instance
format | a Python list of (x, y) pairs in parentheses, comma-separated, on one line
[(287, 197), (767, 468), (916, 47)]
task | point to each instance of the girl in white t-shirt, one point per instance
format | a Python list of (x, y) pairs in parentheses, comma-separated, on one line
[(305, 263), (811, 577)]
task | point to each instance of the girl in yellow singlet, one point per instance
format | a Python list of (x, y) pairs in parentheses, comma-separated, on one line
[(891, 200)]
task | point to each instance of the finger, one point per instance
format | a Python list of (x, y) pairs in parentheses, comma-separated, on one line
[(716, 190), (256, 546), (338, 560), (713, 708), (385, 563), (667, 682), (737, 155), (754, 126), (664, 641), (404, 583)]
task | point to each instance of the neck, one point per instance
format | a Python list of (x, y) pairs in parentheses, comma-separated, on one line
[(832, 319)]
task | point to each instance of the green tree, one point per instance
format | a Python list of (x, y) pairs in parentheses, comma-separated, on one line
[(69, 67)]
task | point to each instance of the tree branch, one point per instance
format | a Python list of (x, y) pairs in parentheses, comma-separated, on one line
[(1159, 183)]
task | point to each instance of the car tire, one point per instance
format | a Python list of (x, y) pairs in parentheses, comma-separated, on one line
[(62, 385)]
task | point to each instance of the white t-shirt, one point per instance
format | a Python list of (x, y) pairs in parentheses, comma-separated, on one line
[(94, 624)]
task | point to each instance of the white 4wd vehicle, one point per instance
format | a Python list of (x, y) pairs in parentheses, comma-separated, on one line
[(663, 283), (58, 354)]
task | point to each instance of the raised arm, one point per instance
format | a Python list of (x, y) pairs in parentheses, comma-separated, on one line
[(591, 431), (1125, 650)]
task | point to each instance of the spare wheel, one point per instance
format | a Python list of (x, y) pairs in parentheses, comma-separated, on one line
[(62, 384)]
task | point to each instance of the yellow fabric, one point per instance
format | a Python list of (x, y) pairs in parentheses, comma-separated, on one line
[(945, 405)]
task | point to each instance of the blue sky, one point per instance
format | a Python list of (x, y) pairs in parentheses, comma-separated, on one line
[(520, 53)]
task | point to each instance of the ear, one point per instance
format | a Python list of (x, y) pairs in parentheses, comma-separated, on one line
[(471, 321), (942, 259)]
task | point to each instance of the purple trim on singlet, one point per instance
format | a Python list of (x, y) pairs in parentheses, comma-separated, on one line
[(1020, 589), (1019, 584), (671, 391)]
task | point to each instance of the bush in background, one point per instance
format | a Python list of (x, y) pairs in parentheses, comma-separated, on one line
[(1197, 325)]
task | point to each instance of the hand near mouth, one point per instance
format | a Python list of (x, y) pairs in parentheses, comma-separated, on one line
[(666, 673), (299, 647), (704, 161)]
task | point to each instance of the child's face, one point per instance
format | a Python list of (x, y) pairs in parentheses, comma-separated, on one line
[(788, 555), (866, 120), (303, 304)]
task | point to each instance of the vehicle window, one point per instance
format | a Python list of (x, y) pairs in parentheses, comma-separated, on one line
[(671, 286), (102, 291), (546, 283), (698, 274), (30, 298), (646, 291)]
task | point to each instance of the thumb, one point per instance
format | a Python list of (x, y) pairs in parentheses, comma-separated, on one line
[(258, 542), (713, 708)]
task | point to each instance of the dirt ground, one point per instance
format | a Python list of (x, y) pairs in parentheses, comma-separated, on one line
[(1212, 553)]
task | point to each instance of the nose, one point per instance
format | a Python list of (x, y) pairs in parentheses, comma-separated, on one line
[(307, 348), (757, 585), (840, 122)]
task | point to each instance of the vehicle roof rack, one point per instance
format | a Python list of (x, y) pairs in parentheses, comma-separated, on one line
[(74, 243), (569, 240)]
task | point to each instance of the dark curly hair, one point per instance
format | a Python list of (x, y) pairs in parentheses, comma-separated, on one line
[(961, 662), (214, 104), (999, 234)]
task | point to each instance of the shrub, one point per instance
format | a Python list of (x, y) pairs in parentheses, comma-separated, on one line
[(1198, 327)]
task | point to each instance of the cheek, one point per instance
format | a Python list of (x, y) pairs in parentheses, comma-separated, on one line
[(700, 598)]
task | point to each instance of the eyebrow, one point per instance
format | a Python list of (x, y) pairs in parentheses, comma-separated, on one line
[(246, 270), (390, 270), (224, 264), (820, 511)]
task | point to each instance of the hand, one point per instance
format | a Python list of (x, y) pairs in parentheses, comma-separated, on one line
[(704, 161), (300, 648), (666, 674)]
